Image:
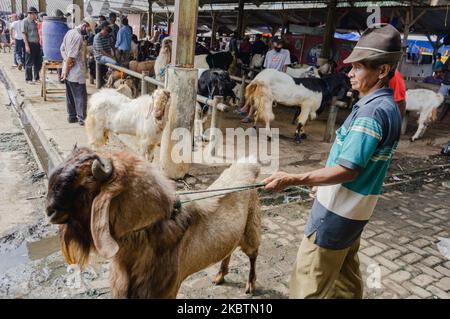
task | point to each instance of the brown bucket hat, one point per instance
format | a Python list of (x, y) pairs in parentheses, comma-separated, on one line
[(379, 43)]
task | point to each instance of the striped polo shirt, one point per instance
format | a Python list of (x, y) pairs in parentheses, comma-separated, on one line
[(365, 142), (101, 43)]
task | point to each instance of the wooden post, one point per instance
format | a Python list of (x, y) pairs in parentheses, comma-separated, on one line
[(215, 16), (24, 6), (79, 3), (242, 90), (406, 26), (98, 76), (240, 19), (149, 19), (42, 5), (144, 84), (182, 84), (13, 6), (331, 123), (330, 29)]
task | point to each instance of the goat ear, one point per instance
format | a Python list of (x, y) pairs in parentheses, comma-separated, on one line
[(105, 245)]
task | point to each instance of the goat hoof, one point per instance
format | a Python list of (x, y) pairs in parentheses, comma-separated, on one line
[(220, 279), (297, 139), (250, 288)]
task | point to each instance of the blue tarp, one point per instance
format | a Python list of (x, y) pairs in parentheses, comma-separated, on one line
[(415, 46)]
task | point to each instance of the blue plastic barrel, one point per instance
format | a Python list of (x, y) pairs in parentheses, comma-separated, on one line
[(53, 31)]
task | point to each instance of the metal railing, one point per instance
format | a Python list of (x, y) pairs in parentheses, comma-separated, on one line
[(147, 79)]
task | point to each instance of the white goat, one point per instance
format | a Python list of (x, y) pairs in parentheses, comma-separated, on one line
[(163, 59), (144, 117), (426, 102)]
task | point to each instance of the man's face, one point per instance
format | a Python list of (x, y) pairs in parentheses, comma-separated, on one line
[(32, 16), (362, 78), (112, 19), (277, 46)]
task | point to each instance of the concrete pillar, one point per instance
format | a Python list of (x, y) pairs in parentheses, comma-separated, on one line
[(182, 84), (13, 6), (42, 6), (329, 31), (240, 19)]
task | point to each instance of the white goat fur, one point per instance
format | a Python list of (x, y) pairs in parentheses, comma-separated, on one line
[(144, 117), (273, 86), (426, 103)]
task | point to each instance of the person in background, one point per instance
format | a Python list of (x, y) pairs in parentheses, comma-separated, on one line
[(33, 54), (134, 47), (436, 78), (114, 27), (259, 47), (17, 39), (445, 85), (438, 65), (245, 49), (156, 34), (74, 73), (277, 58), (40, 21), (101, 19), (123, 42), (233, 44), (397, 84), (12, 19), (103, 51), (3, 41)]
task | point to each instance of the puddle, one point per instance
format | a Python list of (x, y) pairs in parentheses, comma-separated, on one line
[(27, 251)]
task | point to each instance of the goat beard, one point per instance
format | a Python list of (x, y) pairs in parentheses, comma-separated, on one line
[(75, 245)]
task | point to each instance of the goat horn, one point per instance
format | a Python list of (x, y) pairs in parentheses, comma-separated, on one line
[(102, 169)]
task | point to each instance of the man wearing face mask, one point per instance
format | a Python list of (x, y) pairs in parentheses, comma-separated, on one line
[(327, 263), (74, 73), (277, 58)]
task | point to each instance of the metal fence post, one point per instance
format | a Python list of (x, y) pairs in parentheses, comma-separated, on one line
[(215, 125), (144, 84)]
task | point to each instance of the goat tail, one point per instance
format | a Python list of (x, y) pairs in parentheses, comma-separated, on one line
[(261, 98)]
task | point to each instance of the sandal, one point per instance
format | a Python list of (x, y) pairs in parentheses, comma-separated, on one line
[(246, 120)]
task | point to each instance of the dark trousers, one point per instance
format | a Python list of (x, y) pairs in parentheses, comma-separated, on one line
[(33, 62), (19, 52), (76, 96)]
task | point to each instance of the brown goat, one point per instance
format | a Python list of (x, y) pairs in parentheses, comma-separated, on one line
[(123, 208)]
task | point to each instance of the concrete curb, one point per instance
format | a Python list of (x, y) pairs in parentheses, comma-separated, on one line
[(47, 154)]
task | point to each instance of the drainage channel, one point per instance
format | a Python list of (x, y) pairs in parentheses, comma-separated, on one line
[(35, 144)]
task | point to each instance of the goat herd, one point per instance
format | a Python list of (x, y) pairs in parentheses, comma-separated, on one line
[(122, 207)]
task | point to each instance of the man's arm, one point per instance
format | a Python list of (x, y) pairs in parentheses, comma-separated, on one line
[(11, 31), (325, 176), (25, 38)]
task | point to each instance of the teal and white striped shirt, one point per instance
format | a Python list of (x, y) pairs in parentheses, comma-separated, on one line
[(366, 142)]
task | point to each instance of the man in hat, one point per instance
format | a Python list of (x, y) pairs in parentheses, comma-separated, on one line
[(327, 263), (102, 48), (33, 55), (74, 71), (277, 58)]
